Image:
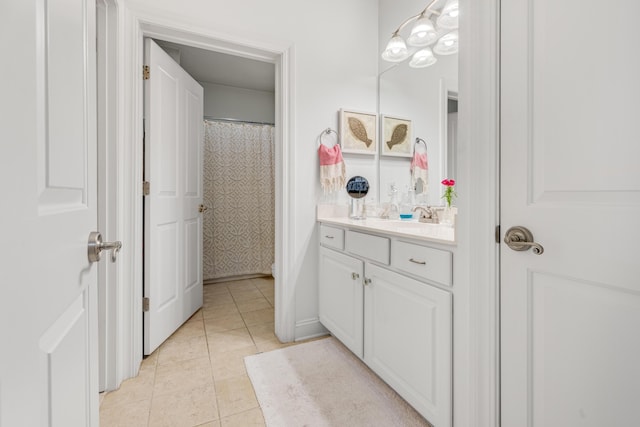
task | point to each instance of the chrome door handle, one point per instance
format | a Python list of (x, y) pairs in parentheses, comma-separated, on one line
[(521, 239), (96, 246)]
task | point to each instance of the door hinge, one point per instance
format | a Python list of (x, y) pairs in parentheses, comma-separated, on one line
[(146, 188), (145, 72), (145, 304), (497, 234)]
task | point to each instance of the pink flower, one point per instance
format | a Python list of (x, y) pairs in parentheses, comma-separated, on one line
[(449, 182)]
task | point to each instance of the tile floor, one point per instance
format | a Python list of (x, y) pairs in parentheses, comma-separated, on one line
[(197, 377)]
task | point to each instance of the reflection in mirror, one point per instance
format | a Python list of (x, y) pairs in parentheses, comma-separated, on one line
[(428, 98)]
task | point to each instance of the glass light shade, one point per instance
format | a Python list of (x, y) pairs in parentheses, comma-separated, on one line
[(423, 33), (422, 58), (396, 50), (448, 18), (447, 45)]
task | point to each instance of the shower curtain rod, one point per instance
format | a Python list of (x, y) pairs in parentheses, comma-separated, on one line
[(218, 119)]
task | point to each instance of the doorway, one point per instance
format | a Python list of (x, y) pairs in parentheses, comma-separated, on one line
[(122, 320), (235, 186)]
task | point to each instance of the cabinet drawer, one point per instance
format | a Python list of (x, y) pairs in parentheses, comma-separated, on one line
[(332, 237), (428, 263), (375, 248)]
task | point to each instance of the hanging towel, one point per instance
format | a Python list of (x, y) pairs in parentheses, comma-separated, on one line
[(332, 169), (419, 172)]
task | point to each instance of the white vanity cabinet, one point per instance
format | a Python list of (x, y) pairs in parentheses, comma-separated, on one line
[(340, 298), (407, 336), (387, 300)]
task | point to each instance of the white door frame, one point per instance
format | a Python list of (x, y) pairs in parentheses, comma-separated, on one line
[(133, 26), (479, 187)]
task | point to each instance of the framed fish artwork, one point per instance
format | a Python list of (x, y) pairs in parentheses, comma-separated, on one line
[(396, 137), (358, 132)]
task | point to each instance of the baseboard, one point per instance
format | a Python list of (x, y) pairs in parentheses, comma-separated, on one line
[(309, 328)]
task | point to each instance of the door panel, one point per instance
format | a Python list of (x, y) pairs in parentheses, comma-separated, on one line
[(173, 223), (408, 338), (340, 297), (48, 291), (569, 149)]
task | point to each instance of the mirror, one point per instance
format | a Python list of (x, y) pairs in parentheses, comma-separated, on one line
[(428, 98)]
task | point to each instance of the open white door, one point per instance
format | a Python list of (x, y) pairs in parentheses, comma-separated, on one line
[(48, 289), (570, 144), (173, 223)]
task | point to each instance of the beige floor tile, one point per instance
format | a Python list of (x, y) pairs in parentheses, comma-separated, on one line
[(226, 323), (235, 395), (268, 293), (150, 360), (213, 300), (220, 310), (269, 345), (250, 418), (191, 408), (263, 284), (265, 315), (241, 285), (190, 329), (262, 332), (244, 295), (131, 390), (230, 364), (253, 305), (129, 414), (174, 350), (211, 424), (215, 288), (221, 342), (271, 300), (180, 377)]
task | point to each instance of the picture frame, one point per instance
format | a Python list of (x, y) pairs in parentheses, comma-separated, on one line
[(358, 132), (395, 136)]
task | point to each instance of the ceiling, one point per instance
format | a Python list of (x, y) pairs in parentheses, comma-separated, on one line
[(221, 68)]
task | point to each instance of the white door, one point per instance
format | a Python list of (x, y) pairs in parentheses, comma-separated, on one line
[(48, 289), (570, 143), (173, 223)]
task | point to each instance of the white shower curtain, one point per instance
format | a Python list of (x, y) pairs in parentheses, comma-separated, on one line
[(239, 225)]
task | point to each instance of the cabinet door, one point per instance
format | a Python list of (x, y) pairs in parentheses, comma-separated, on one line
[(340, 297), (408, 335)]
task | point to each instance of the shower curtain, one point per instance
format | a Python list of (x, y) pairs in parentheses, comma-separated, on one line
[(238, 227)]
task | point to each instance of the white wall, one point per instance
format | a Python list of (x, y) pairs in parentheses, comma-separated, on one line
[(236, 103), (328, 75)]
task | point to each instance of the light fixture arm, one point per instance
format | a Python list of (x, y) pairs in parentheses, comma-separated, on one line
[(415, 17)]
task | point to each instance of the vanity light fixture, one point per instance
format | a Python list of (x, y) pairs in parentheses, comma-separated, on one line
[(424, 33)]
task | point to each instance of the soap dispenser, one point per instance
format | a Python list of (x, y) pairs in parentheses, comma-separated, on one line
[(394, 208), (406, 206)]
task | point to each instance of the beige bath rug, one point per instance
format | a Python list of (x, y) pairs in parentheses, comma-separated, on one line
[(322, 384)]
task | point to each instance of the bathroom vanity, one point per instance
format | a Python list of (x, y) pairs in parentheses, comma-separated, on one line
[(385, 293)]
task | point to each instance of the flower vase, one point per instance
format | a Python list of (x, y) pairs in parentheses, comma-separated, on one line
[(447, 216)]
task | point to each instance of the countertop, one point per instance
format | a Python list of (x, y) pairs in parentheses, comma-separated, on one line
[(413, 229)]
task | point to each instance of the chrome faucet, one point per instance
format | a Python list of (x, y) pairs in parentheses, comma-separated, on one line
[(427, 214)]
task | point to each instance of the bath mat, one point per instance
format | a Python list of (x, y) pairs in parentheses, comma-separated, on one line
[(322, 384)]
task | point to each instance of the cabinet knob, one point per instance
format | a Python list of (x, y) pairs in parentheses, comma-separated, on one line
[(367, 281), (354, 276)]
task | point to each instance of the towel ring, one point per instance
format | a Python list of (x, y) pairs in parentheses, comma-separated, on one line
[(419, 140), (327, 131)]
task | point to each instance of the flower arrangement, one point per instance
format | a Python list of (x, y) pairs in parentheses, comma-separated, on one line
[(449, 192)]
